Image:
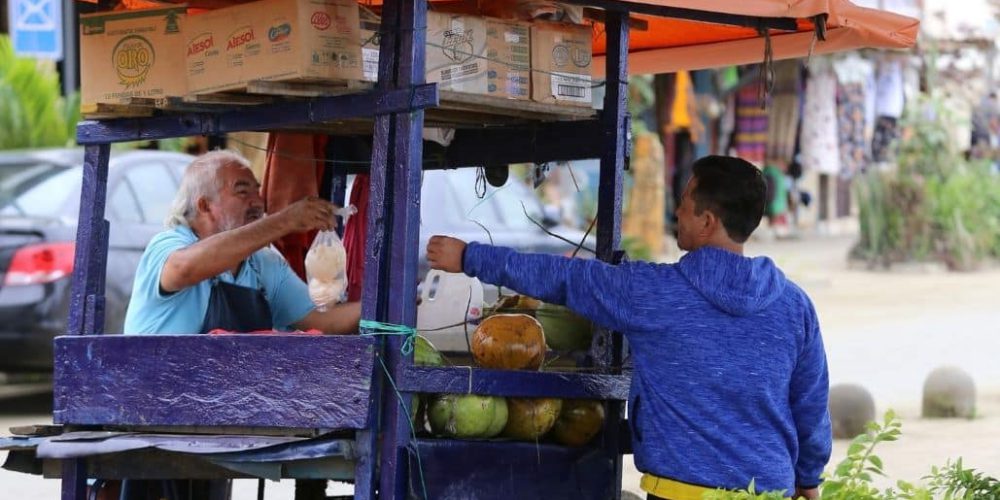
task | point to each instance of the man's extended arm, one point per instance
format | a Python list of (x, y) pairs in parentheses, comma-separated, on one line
[(218, 253)]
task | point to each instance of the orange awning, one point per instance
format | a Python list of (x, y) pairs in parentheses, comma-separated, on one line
[(670, 45)]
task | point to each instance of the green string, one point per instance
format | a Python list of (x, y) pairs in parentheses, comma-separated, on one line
[(375, 328)]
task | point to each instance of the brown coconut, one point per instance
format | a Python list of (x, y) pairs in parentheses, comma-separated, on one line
[(509, 342), (579, 421), (530, 418)]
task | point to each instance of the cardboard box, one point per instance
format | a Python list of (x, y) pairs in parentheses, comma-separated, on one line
[(278, 40), (370, 43), (456, 52), (561, 57), (129, 54), (468, 54), (508, 49)]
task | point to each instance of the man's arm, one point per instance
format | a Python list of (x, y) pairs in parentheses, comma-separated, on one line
[(594, 289), (218, 253), (338, 320), (809, 395)]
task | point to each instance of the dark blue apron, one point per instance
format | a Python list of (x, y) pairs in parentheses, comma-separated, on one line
[(232, 308)]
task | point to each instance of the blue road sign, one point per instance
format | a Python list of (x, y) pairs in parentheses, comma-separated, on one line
[(36, 28)]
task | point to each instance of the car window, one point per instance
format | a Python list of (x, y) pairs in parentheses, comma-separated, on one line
[(123, 205), (45, 194), (154, 187), (513, 200)]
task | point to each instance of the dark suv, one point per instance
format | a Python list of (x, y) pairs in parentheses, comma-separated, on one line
[(39, 203)]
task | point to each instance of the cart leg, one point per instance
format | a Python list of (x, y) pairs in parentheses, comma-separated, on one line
[(74, 479), (607, 346), (86, 313)]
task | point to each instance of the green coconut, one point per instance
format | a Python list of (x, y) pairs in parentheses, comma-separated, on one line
[(425, 354), (467, 415), (564, 329)]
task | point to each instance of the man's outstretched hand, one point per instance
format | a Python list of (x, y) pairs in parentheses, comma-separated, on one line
[(445, 253)]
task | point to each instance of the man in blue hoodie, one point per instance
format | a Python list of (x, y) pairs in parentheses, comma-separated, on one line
[(730, 382)]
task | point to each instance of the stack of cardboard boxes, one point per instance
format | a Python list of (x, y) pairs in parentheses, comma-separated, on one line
[(138, 53)]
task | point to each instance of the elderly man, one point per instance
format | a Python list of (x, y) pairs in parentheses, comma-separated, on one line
[(213, 269)]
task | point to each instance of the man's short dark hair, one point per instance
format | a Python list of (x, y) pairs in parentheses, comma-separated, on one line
[(732, 189)]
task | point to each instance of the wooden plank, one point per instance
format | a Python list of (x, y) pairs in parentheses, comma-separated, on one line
[(158, 464), (213, 380), (230, 99), (515, 107), (304, 89), (37, 430), (101, 111)]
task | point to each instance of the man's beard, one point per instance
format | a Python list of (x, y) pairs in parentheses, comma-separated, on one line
[(233, 222)]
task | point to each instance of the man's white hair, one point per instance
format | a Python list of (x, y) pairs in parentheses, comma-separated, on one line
[(201, 180)]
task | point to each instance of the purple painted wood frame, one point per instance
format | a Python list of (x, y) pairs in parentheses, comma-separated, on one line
[(607, 347), (393, 235), (292, 381), (86, 310), (523, 384), (485, 470), (262, 117)]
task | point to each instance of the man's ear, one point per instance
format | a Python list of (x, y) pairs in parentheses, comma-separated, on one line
[(203, 205), (710, 223)]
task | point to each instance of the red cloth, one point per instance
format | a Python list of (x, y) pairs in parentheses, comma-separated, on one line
[(294, 170), (354, 237)]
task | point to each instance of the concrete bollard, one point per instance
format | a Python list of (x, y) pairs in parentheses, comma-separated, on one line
[(851, 407), (949, 392)]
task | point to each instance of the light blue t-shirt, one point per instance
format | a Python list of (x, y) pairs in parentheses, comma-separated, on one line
[(151, 312)]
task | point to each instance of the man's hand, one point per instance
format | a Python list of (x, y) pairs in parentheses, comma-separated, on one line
[(445, 253), (809, 494), (308, 214)]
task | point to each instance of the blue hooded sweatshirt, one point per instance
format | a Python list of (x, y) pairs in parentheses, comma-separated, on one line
[(730, 376)]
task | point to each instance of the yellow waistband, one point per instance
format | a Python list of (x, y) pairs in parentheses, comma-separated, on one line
[(674, 490)]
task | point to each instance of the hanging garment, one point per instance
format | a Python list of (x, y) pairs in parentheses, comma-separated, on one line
[(295, 164), (818, 137), (354, 237), (783, 121), (751, 126), (851, 122), (886, 134), (680, 112), (889, 96)]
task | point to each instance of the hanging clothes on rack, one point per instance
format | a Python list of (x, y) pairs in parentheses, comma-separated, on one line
[(889, 104), (783, 122), (751, 125), (819, 135), (854, 75)]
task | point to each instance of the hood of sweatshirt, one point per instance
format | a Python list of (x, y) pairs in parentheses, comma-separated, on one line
[(733, 283)]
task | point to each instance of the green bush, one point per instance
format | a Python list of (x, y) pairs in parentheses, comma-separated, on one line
[(33, 113), (935, 205)]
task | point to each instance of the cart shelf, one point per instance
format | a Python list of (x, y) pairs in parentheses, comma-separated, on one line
[(452, 110), (524, 384)]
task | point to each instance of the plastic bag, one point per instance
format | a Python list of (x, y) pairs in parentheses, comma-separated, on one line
[(326, 267)]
